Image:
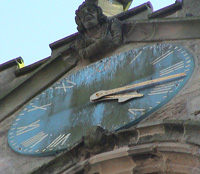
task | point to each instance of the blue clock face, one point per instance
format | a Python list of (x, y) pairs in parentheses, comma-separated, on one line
[(133, 84)]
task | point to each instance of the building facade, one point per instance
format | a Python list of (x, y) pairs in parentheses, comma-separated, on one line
[(163, 140)]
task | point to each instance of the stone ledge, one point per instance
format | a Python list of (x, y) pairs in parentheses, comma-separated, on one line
[(152, 130), (109, 155), (10, 63), (171, 130), (164, 147), (170, 142), (30, 68), (166, 11), (164, 157)]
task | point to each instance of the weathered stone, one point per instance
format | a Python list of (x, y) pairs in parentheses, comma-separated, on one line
[(8, 80), (127, 137), (119, 153), (98, 140), (192, 132), (162, 29), (98, 34), (162, 146), (152, 130), (28, 88), (190, 8)]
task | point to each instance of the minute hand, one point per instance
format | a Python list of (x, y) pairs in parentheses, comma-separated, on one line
[(100, 94)]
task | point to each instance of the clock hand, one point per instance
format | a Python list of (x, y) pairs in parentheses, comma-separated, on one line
[(121, 97), (104, 93)]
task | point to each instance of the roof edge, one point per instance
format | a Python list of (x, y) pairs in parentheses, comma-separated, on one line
[(10, 63), (166, 10), (31, 67), (121, 16), (134, 11)]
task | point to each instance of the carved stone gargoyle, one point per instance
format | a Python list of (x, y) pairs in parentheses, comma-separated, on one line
[(98, 34)]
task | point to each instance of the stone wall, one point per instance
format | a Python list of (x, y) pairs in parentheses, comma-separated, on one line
[(190, 8), (156, 147), (166, 142)]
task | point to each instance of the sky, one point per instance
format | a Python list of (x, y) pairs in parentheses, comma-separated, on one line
[(29, 26)]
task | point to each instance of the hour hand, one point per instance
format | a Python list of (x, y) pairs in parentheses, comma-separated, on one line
[(120, 97)]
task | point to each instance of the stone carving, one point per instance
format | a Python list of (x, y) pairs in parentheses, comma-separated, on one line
[(98, 140), (98, 34)]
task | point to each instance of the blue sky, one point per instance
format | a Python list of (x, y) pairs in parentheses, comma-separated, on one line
[(28, 27)]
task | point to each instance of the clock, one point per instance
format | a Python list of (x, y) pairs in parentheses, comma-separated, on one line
[(116, 92)]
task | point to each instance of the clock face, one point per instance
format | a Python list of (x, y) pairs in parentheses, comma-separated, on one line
[(58, 117)]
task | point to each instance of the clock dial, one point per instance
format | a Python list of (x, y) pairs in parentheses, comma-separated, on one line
[(58, 117)]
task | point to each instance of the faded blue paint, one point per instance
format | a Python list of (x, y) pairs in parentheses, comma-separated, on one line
[(98, 112), (64, 108)]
